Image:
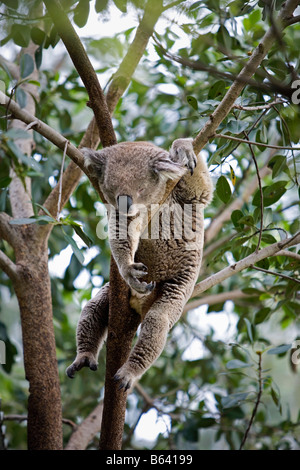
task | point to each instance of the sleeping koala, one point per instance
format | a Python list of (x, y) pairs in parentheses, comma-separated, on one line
[(160, 261)]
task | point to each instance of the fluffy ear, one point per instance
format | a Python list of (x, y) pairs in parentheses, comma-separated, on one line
[(165, 168), (94, 160)]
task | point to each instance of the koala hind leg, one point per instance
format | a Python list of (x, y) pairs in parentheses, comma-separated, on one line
[(91, 332), (159, 319)]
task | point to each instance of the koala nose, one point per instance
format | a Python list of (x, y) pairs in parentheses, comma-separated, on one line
[(124, 203)]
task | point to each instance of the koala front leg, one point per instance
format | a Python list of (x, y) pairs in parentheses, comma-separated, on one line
[(91, 332), (124, 238), (160, 318)]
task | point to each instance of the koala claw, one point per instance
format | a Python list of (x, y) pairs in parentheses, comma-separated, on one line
[(192, 162), (132, 276), (141, 287), (83, 360), (182, 151), (125, 377)]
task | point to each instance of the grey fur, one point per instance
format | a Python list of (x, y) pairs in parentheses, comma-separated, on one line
[(161, 270)]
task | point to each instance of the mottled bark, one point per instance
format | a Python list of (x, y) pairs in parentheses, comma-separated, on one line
[(32, 287)]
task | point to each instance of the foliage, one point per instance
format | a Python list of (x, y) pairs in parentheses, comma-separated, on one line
[(211, 397)]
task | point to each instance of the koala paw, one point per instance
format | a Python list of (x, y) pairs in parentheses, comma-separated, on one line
[(125, 377), (133, 273), (85, 359), (182, 151)]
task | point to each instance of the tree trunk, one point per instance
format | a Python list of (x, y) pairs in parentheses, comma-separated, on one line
[(122, 326), (34, 295)]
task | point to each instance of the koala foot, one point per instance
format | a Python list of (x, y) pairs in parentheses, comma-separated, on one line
[(134, 272), (126, 377), (85, 359), (182, 151)]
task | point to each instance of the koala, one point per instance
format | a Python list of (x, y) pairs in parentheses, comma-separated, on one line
[(160, 260)]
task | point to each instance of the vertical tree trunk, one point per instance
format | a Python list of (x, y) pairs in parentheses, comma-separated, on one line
[(123, 323), (32, 287), (34, 295)]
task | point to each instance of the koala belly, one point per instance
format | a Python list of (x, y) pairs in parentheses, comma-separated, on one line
[(167, 258)]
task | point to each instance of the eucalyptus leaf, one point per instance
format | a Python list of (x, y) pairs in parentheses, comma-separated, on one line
[(280, 349), (26, 65), (74, 247), (237, 364), (223, 189)]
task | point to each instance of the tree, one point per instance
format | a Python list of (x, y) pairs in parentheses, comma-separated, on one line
[(236, 93)]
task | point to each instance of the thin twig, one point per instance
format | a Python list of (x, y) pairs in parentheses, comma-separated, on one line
[(31, 124), (258, 108), (289, 254), (61, 179), (20, 418), (261, 195), (257, 400), (289, 278), (244, 263), (251, 142)]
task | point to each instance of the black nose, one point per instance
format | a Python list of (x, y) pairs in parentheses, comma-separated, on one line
[(124, 203)]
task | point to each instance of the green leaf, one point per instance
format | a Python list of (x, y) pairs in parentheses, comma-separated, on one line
[(20, 34), (223, 189), (236, 216), (271, 194), (11, 3), (26, 65), (23, 221), (236, 127), (268, 238), (277, 164), (121, 5), (38, 56), (38, 35), (101, 5), (237, 364), (280, 349), (234, 399), (40, 220), (249, 329), (15, 134), (261, 315), (74, 247), (84, 237), (275, 397), (21, 97), (81, 13), (5, 181), (217, 90), (45, 210), (192, 102)]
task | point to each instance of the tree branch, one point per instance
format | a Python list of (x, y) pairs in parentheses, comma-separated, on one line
[(248, 70), (87, 430), (216, 299), (85, 70), (223, 109), (251, 142), (8, 266), (245, 263), (7, 231), (118, 85), (122, 77), (266, 271), (289, 254)]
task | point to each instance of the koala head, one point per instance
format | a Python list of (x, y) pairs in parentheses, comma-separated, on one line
[(132, 173)]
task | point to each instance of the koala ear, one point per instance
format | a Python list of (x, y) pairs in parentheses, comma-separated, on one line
[(165, 168), (94, 161)]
